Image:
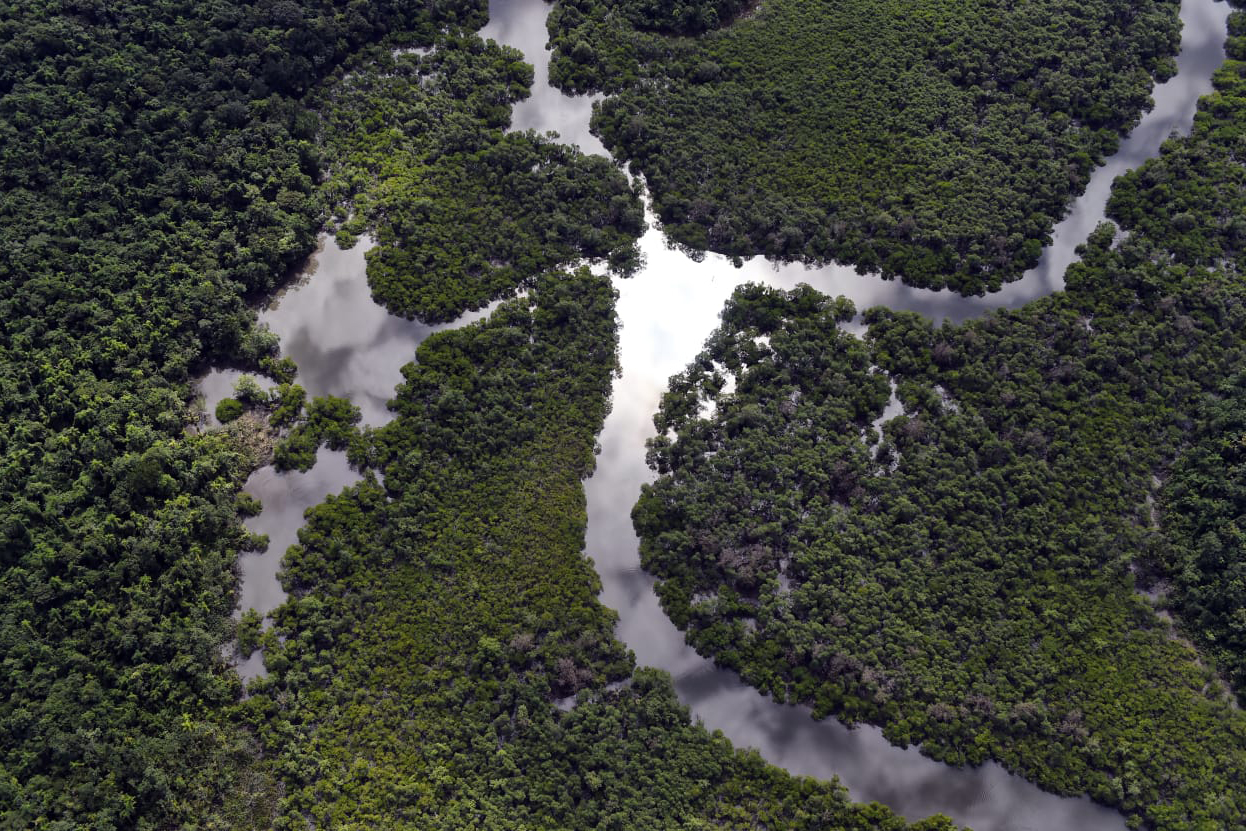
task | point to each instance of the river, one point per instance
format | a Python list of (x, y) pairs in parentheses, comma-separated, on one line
[(346, 345)]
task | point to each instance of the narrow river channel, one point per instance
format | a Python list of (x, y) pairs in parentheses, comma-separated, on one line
[(346, 345)]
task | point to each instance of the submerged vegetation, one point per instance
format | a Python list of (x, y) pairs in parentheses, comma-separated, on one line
[(944, 140), (966, 576)]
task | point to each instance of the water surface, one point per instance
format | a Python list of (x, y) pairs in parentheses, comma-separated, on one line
[(344, 343)]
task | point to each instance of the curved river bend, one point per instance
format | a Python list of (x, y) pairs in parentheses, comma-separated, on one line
[(346, 345)]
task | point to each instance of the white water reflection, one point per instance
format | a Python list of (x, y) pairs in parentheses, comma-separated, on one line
[(344, 343), (546, 109)]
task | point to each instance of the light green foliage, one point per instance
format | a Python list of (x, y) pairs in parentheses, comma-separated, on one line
[(287, 404), (463, 213), (969, 581), (937, 141), (329, 421), (249, 392)]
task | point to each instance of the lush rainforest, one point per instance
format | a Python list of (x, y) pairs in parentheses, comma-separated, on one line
[(156, 168), (963, 574), (435, 619), (969, 574), (161, 165), (1202, 567), (943, 142)]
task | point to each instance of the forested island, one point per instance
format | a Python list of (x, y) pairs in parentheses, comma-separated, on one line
[(936, 142), (963, 576)]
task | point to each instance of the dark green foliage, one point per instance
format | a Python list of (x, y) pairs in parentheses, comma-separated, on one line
[(463, 213), (248, 505), (1203, 505), (967, 579), (329, 421), (155, 167), (433, 620), (228, 409), (936, 141), (679, 17)]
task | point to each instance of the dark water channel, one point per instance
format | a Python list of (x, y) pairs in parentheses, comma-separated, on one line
[(346, 345)]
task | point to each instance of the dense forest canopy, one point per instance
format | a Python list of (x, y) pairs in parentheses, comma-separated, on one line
[(1202, 561), (162, 163), (434, 620), (156, 166), (936, 141), (967, 576)]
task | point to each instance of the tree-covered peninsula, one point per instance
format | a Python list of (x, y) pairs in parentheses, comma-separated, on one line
[(935, 141), (463, 213), (967, 574)]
